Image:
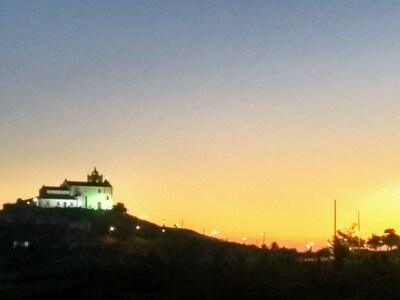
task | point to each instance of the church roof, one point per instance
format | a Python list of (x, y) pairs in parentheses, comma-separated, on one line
[(59, 197), (53, 188), (85, 183)]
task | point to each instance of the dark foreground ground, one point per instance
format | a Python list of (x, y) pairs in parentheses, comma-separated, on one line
[(72, 254)]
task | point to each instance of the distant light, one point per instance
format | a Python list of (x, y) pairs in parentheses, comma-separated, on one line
[(26, 244), (244, 239), (28, 202), (35, 199), (112, 228), (163, 230), (309, 246), (137, 227)]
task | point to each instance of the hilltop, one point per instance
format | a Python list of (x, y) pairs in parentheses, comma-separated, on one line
[(47, 251), (70, 228), (87, 254)]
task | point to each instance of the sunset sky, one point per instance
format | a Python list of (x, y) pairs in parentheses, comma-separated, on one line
[(236, 116)]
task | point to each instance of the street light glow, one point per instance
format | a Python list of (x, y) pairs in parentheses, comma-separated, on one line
[(309, 246)]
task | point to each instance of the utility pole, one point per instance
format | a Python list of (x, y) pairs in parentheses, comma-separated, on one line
[(335, 241), (334, 221), (359, 232)]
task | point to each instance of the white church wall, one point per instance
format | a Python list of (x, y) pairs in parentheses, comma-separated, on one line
[(93, 197), (48, 202)]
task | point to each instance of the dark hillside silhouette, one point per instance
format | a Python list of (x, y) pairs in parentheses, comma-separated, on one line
[(86, 254)]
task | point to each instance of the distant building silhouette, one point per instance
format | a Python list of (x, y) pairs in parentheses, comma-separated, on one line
[(92, 194)]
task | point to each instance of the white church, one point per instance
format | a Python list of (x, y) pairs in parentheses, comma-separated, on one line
[(95, 193)]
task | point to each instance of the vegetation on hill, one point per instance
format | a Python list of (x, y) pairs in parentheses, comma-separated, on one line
[(84, 254)]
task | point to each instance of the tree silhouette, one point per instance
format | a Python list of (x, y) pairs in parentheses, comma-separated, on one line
[(274, 245), (349, 237), (340, 251), (120, 207), (344, 241), (375, 241), (391, 239)]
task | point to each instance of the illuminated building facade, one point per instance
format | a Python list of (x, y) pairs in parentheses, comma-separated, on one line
[(95, 193)]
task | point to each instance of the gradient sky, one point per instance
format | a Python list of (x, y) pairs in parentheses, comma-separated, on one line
[(236, 116)]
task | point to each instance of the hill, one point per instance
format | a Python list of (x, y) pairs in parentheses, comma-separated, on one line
[(85, 254)]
